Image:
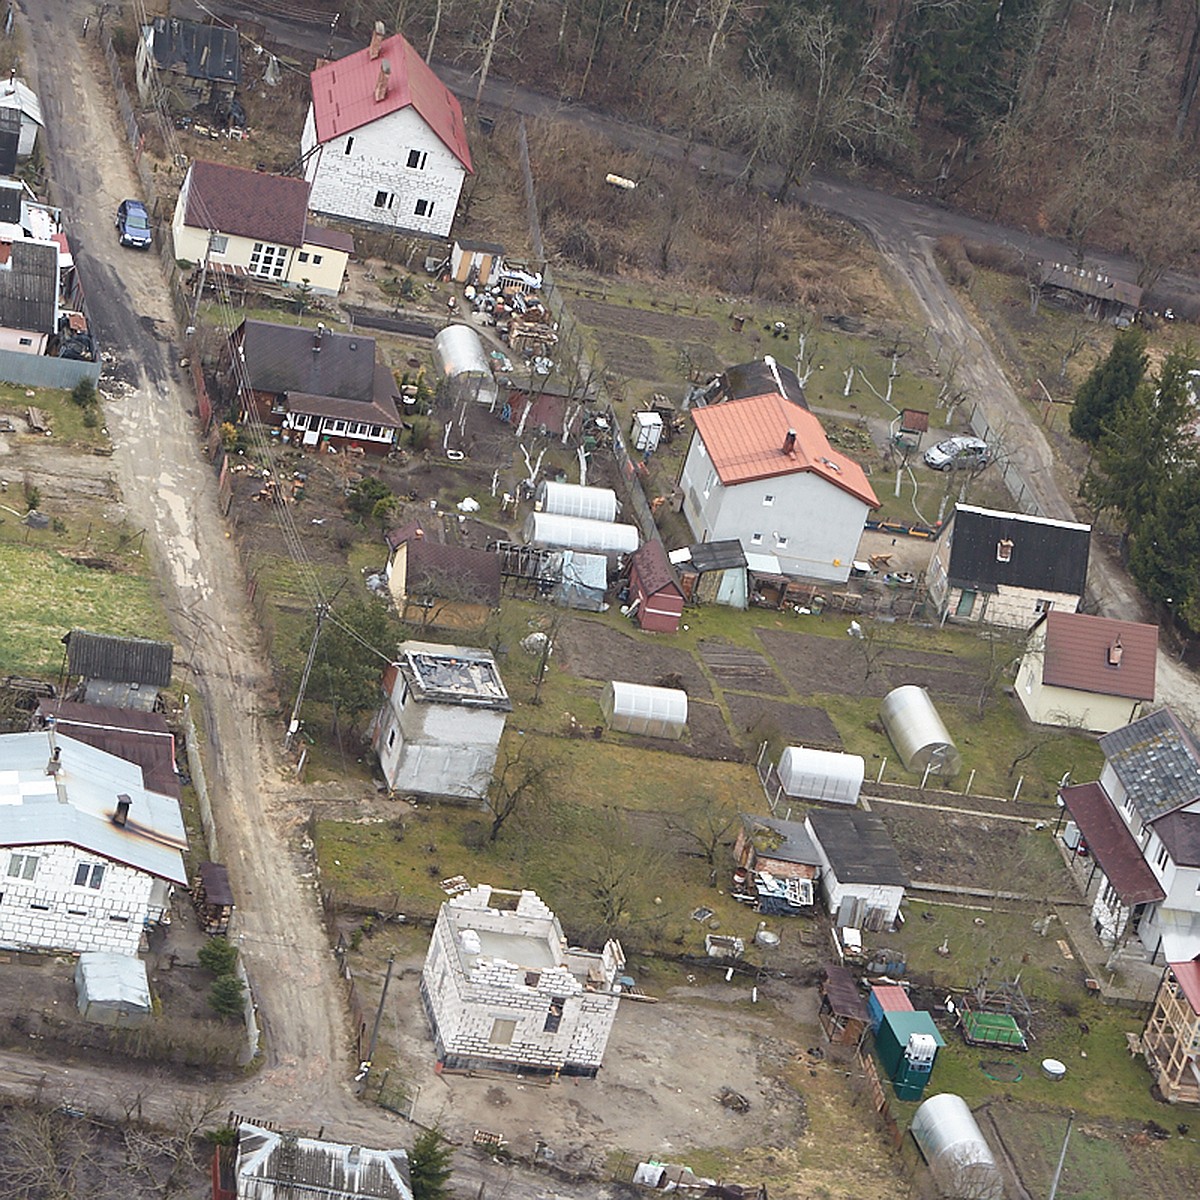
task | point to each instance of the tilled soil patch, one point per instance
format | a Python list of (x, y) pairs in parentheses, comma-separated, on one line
[(741, 669), (641, 321), (593, 650), (758, 718)]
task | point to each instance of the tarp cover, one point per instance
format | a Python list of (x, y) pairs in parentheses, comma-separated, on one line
[(112, 989)]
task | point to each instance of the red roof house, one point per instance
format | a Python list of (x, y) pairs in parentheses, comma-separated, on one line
[(655, 597), (761, 470), (384, 142)]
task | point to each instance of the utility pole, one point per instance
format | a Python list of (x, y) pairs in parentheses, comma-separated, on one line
[(1062, 1157), (387, 979), (208, 249), (294, 724)]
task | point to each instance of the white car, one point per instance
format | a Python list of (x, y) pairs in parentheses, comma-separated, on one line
[(958, 452)]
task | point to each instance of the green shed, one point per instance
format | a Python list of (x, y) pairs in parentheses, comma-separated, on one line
[(907, 1044)]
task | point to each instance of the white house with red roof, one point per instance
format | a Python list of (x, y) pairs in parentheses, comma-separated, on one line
[(761, 470), (384, 142), (1086, 672), (252, 223)]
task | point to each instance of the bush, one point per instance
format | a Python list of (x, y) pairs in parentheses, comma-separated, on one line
[(365, 495), (225, 996), (91, 417), (218, 956), (33, 496), (83, 394)]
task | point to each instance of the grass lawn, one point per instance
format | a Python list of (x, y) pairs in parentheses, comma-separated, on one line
[(66, 419), (46, 595)]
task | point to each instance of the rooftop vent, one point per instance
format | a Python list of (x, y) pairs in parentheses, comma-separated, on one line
[(1114, 653), (376, 41), (789, 442), (121, 816), (1004, 549)]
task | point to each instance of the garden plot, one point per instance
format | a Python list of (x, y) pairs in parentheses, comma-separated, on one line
[(707, 734), (593, 650), (644, 322), (740, 669), (796, 724)]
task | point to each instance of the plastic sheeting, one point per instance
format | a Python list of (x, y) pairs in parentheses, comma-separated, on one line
[(111, 989), (821, 774), (575, 533), (959, 1157), (582, 581), (650, 711), (917, 731), (463, 365), (576, 500)]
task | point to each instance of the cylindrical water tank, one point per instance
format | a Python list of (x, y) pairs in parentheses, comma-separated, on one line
[(917, 732)]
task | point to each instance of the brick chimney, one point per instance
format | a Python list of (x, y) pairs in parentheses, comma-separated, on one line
[(376, 41), (789, 442), (381, 83)]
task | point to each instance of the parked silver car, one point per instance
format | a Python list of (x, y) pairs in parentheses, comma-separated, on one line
[(958, 452)]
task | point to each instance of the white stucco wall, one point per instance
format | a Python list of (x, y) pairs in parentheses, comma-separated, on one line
[(70, 918), (812, 526), (347, 172), (1049, 705), (24, 341)]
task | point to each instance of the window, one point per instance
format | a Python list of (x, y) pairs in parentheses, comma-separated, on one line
[(416, 159), (316, 260), (218, 243), (1004, 549), (424, 208), (533, 978), (1161, 860), (349, 144), (76, 912), (502, 1032), (768, 501), (90, 875), (383, 199), (120, 920), (302, 256), (703, 451), (40, 907), (780, 542), (25, 341), (966, 603), (267, 261), (1043, 606), (554, 1014), (23, 866), (756, 539), (391, 739)]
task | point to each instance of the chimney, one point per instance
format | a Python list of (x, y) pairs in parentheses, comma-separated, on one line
[(318, 334), (789, 442), (121, 816), (376, 41), (418, 534), (1114, 653), (54, 765), (381, 84)]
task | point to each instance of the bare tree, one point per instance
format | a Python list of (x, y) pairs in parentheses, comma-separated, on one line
[(614, 877), (706, 823), (526, 774), (46, 1152)]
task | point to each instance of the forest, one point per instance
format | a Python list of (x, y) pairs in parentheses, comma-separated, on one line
[(1075, 118)]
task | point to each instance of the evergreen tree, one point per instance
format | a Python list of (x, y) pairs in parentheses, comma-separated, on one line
[(1142, 446), (429, 1166), (1163, 558), (1110, 382), (226, 996)]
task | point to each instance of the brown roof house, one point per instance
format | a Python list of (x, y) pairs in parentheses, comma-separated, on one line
[(1087, 672), (436, 586), (1140, 823)]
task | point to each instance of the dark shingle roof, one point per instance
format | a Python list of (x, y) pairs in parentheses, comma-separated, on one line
[(760, 378), (1157, 761), (380, 410), (858, 847), (1080, 653), (245, 203), (285, 358), (11, 194), (118, 659), (199, 51), (785, 841), (654, 571), (1110, 843), (29, 287), (448, 571), (1050, 556), (1180, 833)]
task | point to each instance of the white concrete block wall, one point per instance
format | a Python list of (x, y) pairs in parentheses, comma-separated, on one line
[(348, 172), (67, 917)]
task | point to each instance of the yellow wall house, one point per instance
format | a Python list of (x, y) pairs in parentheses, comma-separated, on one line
[(251, 223), (1087, 672)]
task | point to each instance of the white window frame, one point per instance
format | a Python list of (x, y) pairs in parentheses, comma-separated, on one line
[(423, 208), (89, 875), (267, 261), (218, 243), (768, 501), (422, 157), (23, 866), (756, 539)]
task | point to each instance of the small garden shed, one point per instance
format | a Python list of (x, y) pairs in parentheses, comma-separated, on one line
[(576, 500), (111, 989), (842, 1014), (641, 709), (655, 597), (809, 774)]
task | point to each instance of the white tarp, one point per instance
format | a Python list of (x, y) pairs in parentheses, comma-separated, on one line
[(112, 989)]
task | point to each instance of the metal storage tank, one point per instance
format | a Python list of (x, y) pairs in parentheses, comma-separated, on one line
[(575, 500), (821, 774), (959, 1157), (557, 532), (650, 711), (917, 731), (463, 365)]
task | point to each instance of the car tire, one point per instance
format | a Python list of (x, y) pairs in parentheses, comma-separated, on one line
[(946, 467)]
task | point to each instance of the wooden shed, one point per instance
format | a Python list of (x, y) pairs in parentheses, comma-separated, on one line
[(843, 1012), (655, 597), (213, 898), (475, 262)]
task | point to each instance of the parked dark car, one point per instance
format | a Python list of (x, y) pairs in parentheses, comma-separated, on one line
[(133, 225)]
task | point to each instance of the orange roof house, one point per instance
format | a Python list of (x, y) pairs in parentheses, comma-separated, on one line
[(761, 470)]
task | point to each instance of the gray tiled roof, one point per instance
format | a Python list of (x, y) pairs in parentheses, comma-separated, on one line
[(29, 287), (291, 358), (858, 847), (77, 809), (120, 659), (1157, 761)]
